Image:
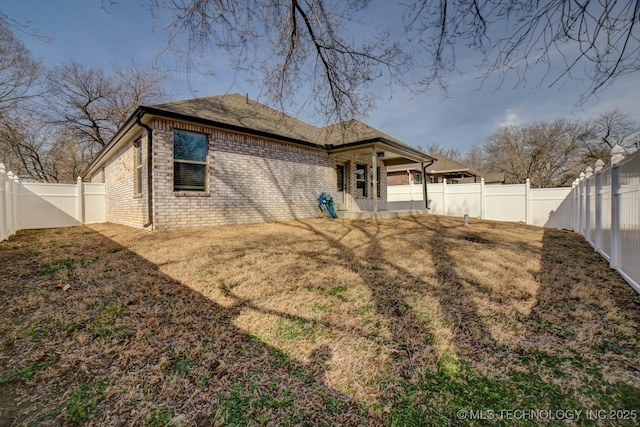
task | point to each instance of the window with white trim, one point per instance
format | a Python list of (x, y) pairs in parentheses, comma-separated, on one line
[(189, 161)]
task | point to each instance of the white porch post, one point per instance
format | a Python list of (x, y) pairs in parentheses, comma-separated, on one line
[(374, 179)]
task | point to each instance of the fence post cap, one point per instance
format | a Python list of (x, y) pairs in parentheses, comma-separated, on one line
[(10, 175), (581, 176), (617, 154), (79, 179), (599, 165), (444, 180), (482, 180), (588, 172), (2, 169)]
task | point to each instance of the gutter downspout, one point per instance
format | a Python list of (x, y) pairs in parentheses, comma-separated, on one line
[(424, 182), (149, 170)]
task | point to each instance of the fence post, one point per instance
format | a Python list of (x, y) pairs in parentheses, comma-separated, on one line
[(16, 202), (581, 208), (11, 228), (587, 203), (4, 232), (617, 154), (527, 201), (574, 194), (597, 241), (444, 196), (483, 203), (80, 200)]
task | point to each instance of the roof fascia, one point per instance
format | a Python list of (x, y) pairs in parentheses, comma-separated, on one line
[(409, 153)]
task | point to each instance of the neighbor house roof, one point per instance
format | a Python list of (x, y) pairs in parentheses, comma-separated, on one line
[(494, 177), (444, 164), (441, 165)]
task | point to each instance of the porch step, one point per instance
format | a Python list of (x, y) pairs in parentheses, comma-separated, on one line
[(380, 214)]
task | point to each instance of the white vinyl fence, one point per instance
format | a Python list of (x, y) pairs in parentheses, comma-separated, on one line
[(39, 205), (607, 212), (548, 207)]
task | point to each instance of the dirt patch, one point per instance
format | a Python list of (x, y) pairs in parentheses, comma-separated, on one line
[(312, 322)]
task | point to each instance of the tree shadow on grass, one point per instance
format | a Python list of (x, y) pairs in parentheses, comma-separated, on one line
[(586, 315), (97, 334), (527, 343), (422, 341)]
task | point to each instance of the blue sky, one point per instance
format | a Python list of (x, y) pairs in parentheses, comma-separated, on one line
[(92, 35)]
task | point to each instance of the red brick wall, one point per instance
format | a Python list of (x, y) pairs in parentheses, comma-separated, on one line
[(397, 178)]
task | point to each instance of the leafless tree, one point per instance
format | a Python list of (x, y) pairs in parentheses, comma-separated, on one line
[(436, 149), (19, 72), (291, 43), (548, 153), (596, 41), (40, 151), (476, 160), (24, 147), (94, 104), (52, 138), (309, 41), (609, 129)]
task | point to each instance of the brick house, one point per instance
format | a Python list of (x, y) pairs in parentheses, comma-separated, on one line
[(228, 159)]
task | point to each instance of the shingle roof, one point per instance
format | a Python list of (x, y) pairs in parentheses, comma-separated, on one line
[(444, 164), (241, 114), (353, 131), (237, 110), (493, 177), (240, 111)]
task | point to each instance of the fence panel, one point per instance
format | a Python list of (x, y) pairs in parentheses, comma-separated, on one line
[(46, 205), (551, 207), (464, 199), (95, 210), (629, 234), (505, 202)]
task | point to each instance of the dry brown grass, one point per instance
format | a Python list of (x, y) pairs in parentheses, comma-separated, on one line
[(335, 321)]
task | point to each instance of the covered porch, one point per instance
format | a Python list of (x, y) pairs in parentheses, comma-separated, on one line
[(362, 179)]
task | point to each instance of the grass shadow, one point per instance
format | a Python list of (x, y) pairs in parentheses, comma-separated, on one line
[(93, 333), (410, 321)]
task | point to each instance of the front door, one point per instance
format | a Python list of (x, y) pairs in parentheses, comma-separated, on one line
[(342, 187)]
